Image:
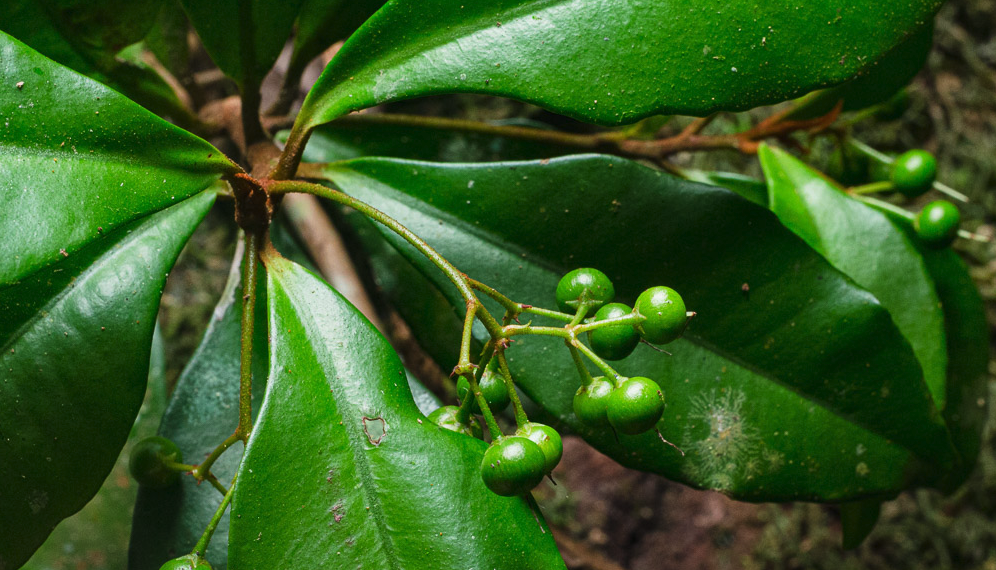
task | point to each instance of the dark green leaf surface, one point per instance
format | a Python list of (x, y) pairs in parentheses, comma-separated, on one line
[(243, 37), (202, 413), (321, 23), (78, 160), (96, 538), (344, 140), (799, 387), (876, 83), (74, 355), (87, 36), (865, 245), (343, 471), (610, 62), (751, 188), (167, 39)]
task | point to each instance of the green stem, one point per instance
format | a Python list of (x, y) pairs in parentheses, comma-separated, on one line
[(514, 330), (202, 471), (883, 186), (601, 364), (547, 313), (586, 378), (181, 467), (464, 411), (630, 319), (520, 413), (249, 268), (582, 311), (489, 418), (509, 305), (202, 544)]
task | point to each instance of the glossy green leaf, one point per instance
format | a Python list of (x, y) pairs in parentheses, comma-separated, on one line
[(877, 83), (369, 481), (87, 36), (78, 160), (243, 37), (610, 62), (799, 387), (96, 538), (201, 414), (74, 356), (842, 230)]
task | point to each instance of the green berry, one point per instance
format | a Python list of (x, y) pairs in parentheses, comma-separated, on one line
[(665, 315), (148, 462), (937, 223), (591, 402), (188, 562), (913, 172), (548, 441), (492, 388), (585, 284), (613, 342), (512, 466), (446, 417), (636, 406)]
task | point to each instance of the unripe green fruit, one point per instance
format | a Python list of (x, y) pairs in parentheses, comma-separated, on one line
[(591, 402), (446, 417), (913, 172), (188, 562), (665, 315), (548, 441), (937, 223), (613, 342), (147, 463), (512, 466), (586, 284), (492, 388), (636, 406)]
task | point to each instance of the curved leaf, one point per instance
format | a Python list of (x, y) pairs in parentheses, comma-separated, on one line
[(243, 37), (842, 229), (763, 379), (610, 62), (342, 456), (201, 414), (87, 37), (79, 160), (74, 355)]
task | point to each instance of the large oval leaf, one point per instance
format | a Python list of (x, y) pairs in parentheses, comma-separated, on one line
[(343, 471), (79, 160), (842, 229), (74, 355), (610, 62), (799, 388), (201, 414)]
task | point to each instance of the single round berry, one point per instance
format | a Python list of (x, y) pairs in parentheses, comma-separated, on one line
[(492, 388), (665, 315), (613, 342), (913, 172), (636, 405), (587, 285), (591, 402), (448, 418), (548, 441), (937, 223), (512, 466), (188, 562), (148, 462)]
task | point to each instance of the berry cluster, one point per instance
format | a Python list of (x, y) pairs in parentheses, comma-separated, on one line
[(514, 464)]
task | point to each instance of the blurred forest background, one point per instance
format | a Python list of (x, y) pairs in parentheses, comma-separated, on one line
[(609, 518)]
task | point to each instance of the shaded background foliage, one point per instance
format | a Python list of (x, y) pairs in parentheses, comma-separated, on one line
[(607, 517)]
